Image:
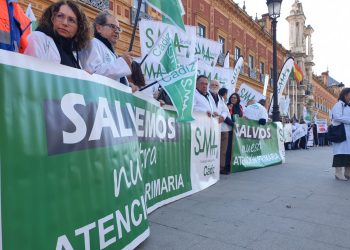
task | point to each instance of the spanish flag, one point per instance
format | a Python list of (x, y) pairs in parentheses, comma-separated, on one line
[(298, 74)]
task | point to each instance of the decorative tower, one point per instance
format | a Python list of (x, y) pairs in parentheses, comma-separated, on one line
[(301, 49)]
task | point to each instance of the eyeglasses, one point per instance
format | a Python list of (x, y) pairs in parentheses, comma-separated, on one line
[(114, 27), (71, 21)]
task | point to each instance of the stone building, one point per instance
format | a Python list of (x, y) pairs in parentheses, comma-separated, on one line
[(220, 20), (317, 94)]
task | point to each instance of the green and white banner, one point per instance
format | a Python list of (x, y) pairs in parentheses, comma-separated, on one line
[(172, 10), (83, 161), (207, 50), (184, 42), (257, 146), (247, 93), (180, 85), (163, 51)]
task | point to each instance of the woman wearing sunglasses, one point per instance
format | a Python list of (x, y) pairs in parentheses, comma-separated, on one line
[(62, 32)]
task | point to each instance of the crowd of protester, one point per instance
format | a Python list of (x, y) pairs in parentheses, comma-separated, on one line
[(63, 36)]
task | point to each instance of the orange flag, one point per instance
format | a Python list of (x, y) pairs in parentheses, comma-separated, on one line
[(298, 73)]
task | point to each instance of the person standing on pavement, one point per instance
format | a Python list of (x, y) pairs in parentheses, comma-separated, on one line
[(341, 151), (235, 108), (224, 118)]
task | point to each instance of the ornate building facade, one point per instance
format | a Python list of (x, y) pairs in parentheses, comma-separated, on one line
[(220, 20), (240, 34), (317, 94)]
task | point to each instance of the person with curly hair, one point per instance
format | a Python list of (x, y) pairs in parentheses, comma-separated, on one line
[(62, 32)]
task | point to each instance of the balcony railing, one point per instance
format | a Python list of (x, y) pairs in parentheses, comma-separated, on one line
[(143, 15), (99, 4)]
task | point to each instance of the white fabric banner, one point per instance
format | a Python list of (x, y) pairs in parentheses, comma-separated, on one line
[(205, 69), (205, 151), (207, 50), (184, 45), (300, 132), (283, 79), (247, 93), (236, 72), (225, 77), (184, 42), (288, 132), (321, 126)]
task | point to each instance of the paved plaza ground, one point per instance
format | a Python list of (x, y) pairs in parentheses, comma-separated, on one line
[(297, 205)]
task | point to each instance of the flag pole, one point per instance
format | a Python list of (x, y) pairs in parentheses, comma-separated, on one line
[(148, 85), (135, 25)]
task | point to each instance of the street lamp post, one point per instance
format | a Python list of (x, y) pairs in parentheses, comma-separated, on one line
[(274, 7)]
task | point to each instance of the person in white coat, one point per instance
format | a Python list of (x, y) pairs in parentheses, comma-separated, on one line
[(341, 151), (255, 111), (100, 57), (62, 32), (202, 102), (226, 126)]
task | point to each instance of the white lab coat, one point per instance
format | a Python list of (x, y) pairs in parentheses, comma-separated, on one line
[(202, 104), (222, 110), (256, 112), (99, 59), (341, 114), (43, 46)]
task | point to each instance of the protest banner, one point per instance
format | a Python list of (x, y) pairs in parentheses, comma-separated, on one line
[(310, 141), (321, 126), (171, 10), (300, 131), (288, 134), (180, 85), (184, 42), (257, 146), (283, 79), (236, 71), (247, 93), (207, 50), (83, 161)]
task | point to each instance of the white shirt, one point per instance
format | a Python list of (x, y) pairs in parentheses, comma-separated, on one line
[(222, 110), (256, 112), (99, 59), (202, 103)]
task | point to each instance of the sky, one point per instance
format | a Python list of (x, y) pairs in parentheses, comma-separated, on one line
[(331, 37)]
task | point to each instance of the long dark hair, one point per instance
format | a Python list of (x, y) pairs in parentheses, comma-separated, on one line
[(238, 99), (82, 36), (343, 93), (236, 108)]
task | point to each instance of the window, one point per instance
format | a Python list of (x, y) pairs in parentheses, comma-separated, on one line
[(143, 5), (251, 62), (222, 41), (262, 68), (201, 30), (237, 53)]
